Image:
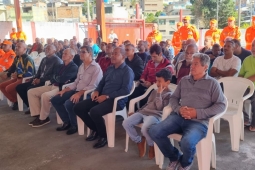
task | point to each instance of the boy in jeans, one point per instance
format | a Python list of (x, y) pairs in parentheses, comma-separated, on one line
[(149, 114)]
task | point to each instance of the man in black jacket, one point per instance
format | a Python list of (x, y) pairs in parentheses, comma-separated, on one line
[(134, 61), (44, 73), (39, 98)]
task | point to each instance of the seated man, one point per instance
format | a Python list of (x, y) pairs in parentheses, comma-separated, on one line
[(44, 73), (208, 43), (239, 51), (248, 71), (102, 54), (214, 53), (24, 68), (117, 81), (228, 64), (165, 51), (94, 47), (183, 67), (88, 77), (149, 114), (142, 53), (105, 62), (197, 98), (37, 46), (7, 58), (134, 61), (148, 77), (39, 97)]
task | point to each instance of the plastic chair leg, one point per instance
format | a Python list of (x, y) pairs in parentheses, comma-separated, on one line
[(235, 132), (213, 152), (127, 141), (242, 129), (216, 126), (204, 151), (80, 124), (1, 96), (110, 128), (59, 121), (20, 103)]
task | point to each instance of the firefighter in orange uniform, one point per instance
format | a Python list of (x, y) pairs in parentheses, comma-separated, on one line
[(213, 31), (176, 40), (188, 31), (154, 36), (250, 34), (231, 31), (21, 35), (7, 58), (13, 34)]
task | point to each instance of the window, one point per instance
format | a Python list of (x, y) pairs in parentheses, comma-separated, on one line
[(108, 10), (171, 22), (162, 30), (162, 22), (171, 32)]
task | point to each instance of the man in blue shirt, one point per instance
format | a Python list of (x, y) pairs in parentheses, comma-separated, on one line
[(117, 81), (94, 47)]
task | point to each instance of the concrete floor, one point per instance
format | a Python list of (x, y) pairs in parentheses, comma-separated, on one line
[(25, 148)]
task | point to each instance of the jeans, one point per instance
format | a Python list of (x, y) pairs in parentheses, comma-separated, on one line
[(246, 115), (92, 113), (192, 132), (64, 107), (136, 119)]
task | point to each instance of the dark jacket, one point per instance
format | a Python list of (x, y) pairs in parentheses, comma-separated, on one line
[(136, 65), (39, 48), (47, 66), (64, 74)]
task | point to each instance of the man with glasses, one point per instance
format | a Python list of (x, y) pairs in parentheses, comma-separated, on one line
[(115, 42)]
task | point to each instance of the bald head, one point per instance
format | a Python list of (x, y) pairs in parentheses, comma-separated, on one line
[(190, 41)]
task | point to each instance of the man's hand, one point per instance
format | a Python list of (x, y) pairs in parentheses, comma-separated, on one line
[(188, 112), (94, 95), (14, 75), (61, 93), (101, 98), (75, 98), (161, 89), (211, 56), (146, 84), (36, 81)]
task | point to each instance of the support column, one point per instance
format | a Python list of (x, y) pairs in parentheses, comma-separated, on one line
[(101, 18), (17, 13)]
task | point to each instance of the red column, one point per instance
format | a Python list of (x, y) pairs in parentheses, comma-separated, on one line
[(137, 11), (17, 13), (33, 30), (180, 15), (101, 18)]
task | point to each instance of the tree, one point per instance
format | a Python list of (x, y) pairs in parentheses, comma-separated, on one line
[(150, 18), (158, 13), (91, 5), (226, 9)]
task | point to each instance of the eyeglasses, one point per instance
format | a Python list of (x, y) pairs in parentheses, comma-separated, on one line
[(83, 52), (189, 53), (114, 42), (127, 49)]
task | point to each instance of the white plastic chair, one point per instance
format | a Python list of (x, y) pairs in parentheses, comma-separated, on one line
[(110, 118), (234, 89), (80, 123), (1, 95), (38, 59), (132, 103), (247, 107), (20, 101), (206, 148), (33, 54)]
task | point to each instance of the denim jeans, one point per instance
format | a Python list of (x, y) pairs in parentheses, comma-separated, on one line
[(64, 107), (192, 132), (135, 119)]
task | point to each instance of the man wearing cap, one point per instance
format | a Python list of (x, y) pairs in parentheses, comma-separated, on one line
[(188, 31), (250, 34), (231, 30), (7, 58), (21, 35), (13, 34), (154, 36), (176, 40), (213, 31)]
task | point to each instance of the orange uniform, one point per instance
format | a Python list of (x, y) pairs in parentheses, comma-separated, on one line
[(176, 40), (6, 60), (21, 35), (213, 32), (189, 32), (13, 35), (250, 34), (1, 52), (154, 35)]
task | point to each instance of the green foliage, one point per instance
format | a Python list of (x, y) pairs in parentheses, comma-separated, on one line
[(245, 25), (91, 5), (158, 13), (150, 18), (226, 9)]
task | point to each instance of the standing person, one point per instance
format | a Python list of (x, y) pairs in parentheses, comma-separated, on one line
[(250, 34), (111, 36), (176, 40), (154, 35), (7, 58), (231, 31), (213, 31), (24, 68), (239, 51), (117, 81), (197, 98), (149, 114), (21, 35), (13, 34), (188, 31)]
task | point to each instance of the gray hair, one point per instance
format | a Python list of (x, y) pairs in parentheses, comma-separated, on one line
[(72, 51), (192, 46), (204, 58)]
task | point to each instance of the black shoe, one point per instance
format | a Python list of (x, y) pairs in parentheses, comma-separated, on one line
[(27, 112), (72, 130), (65, 126), (15, 106), (93, 136), (40, 123), (101, 143), (35, 120)]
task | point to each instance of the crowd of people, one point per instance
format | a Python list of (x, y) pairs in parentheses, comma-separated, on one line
[(111, 68)]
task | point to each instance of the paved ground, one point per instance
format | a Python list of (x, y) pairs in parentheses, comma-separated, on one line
[(25, 148)]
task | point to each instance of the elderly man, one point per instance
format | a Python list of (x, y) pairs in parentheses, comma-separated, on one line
[(7, 58), (134, 61), (24, 68), (37, 46), (142, 52), (165, 51), (228, 64), (39, 98), (117, 81), (239, 51), (208, 43), (105, 62), (88, 77), (248, 71), (44, 73), (196, 98), (183, 67)]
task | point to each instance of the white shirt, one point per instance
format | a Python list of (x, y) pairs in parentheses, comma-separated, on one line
[(112, 36), (225, 64)]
